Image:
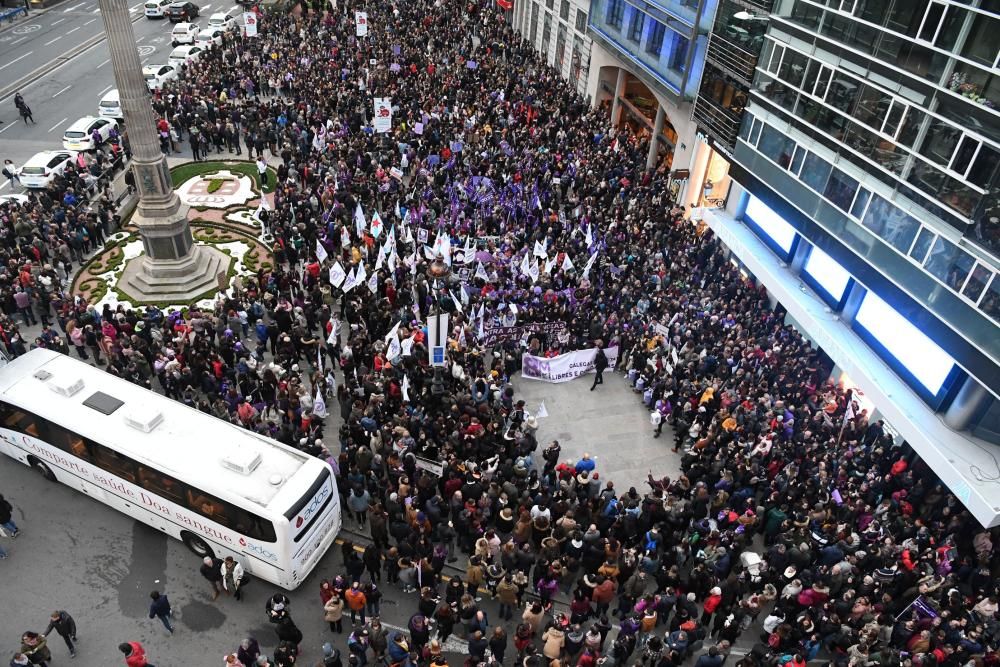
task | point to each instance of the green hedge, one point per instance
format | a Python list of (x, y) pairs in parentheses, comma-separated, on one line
[(184, 172)]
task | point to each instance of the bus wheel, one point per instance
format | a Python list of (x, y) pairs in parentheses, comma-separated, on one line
[(43, 469), (197, 545)]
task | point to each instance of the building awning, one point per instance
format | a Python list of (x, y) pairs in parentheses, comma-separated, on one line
[(965, 464)]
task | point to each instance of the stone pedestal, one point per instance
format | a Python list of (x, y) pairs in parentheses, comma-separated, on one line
[(196, 274)]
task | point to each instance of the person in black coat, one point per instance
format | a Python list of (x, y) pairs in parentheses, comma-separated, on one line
[(65, 626), (600, 364), (288, 632)]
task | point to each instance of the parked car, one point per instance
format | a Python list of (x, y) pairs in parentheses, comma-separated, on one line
[(157, 75), (110, 106), (80, 135), (184, 33), (184, 55), (182, 11), (156, 9), (226, 20), (210, 38), (42, 167)]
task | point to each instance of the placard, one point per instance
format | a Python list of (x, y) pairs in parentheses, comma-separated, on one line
[(250, 24), (361, 23), (383, 114)]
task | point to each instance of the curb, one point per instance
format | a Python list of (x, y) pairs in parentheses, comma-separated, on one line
[(39, 72)]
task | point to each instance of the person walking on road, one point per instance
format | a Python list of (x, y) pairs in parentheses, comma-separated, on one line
[(160, 608), (10, 171), (7, 517), (36, 648), (232, 577), (135, 655), (65, 627), (23, 108), (600, 363), (211, 569)]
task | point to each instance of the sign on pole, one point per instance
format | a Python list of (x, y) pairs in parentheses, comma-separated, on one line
[(250, 24), (383, 114), (437, 339), (361, 23)]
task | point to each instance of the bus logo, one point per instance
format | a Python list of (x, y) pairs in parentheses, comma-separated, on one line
[(313, 506)]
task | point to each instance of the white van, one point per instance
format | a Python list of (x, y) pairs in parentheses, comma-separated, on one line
[(226, 20), (110, 106)]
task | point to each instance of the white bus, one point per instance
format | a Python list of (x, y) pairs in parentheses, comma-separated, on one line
[(222, 490)]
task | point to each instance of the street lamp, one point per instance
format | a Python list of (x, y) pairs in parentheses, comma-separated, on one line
[(437, 324)]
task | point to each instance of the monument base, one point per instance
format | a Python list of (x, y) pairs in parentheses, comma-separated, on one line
[(178, 281)]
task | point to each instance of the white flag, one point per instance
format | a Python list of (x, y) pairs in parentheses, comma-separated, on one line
[(567, 264), (469, 252), (380, 259), (533, 271), (541, 412), (359, 221), (376, 224), (482, 317), (406, 388), (540, 250), (408, 346), (392, 333), (526, 264), (458, 304), (590, 265), (392, 262), (399, 214), (320, 252), (549, 263), (319, 405), (345, 238), (481, 272), (429, 253), (589, 236), (351, 281), (362, 274), (373, 282), (337, 274), (394, 350)]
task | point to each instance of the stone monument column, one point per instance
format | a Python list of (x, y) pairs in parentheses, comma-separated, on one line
[(173, 267)]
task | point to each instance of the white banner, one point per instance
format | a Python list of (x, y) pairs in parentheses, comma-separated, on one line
[(361, 23), (250, 24), (565, 367), (383, 114)]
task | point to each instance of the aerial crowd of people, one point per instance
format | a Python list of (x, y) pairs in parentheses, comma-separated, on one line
[(791, 504)]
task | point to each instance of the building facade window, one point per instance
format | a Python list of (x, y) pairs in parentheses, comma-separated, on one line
[(635, 26), (655, 42), (564, 10), (581, 21), (615, 14), (534, 22)]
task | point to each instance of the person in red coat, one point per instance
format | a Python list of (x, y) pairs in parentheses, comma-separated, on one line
[(711, 604), (135, 655)]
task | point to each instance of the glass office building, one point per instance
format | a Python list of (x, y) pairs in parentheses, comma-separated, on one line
[(866, 171)]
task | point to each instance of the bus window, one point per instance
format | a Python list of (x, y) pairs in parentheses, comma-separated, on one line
[(160, 484), (115, 463), (68, 441), (208, 507), (252, 525), (22, 421)]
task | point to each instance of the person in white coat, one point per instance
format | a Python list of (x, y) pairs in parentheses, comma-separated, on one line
[(232, 577)]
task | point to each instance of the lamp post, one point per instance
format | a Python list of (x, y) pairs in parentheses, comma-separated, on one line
[(437, 325)]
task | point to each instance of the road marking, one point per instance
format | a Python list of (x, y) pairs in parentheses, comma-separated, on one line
[(105, 62), (70, 32), (58, 124), (206, 6), (145, 60), (104, 91), (96, 11), (16, 59), (19, 40), (58, 22), (135, 7), (90, 21), (5, 184), (139, 39), (62, 91), (8, 126), (52, 41), (69, 9)]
